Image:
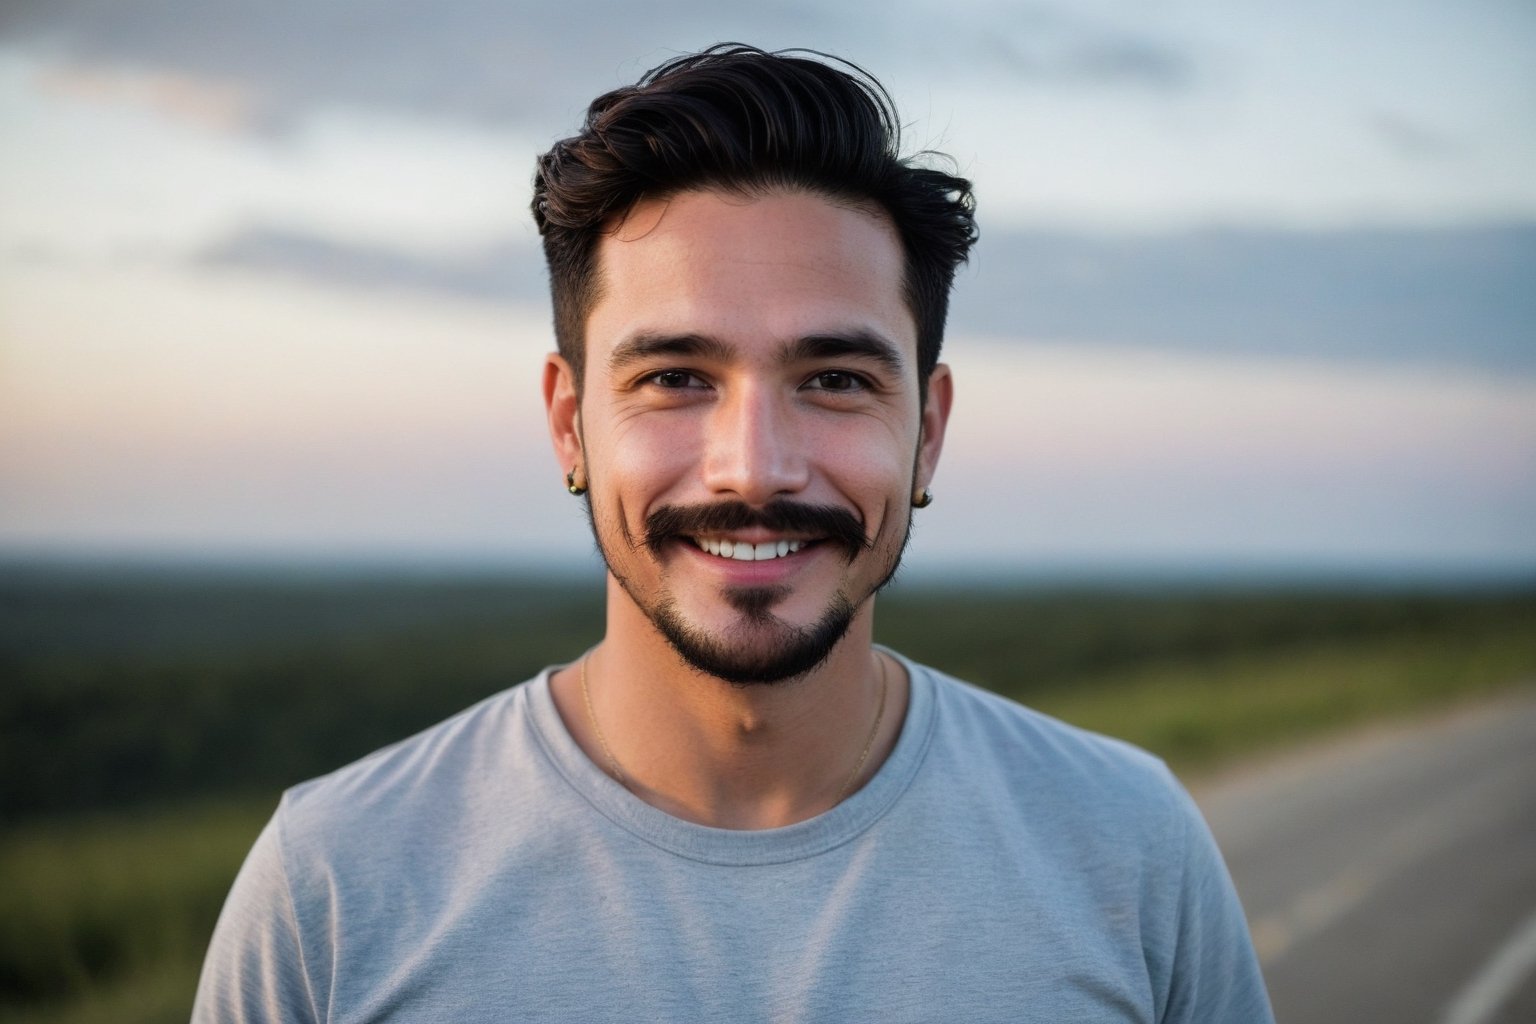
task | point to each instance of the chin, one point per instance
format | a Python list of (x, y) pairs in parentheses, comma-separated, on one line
[(764, 649)]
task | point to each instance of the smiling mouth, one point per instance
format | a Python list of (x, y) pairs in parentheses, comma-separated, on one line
[(741, 532), (745, 551)]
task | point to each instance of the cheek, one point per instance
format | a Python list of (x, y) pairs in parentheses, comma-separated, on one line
[(873, 473), (638, 465)]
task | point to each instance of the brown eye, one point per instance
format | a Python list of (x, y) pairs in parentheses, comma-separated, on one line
[(673, 378), (837, 380)]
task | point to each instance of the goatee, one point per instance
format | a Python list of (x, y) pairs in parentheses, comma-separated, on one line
[(762, 648)]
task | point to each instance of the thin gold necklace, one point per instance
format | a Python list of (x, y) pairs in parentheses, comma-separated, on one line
[(853, 776), (869, 744), (586, 696)]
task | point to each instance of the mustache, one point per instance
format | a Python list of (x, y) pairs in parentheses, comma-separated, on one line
[(829, 523)]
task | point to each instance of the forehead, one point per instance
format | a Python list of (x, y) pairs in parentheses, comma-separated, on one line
[(749, 272)]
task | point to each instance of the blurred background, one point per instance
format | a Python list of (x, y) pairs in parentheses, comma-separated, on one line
[(1244, 450)]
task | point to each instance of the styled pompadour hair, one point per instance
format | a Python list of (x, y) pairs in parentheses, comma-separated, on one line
[(738, 119)]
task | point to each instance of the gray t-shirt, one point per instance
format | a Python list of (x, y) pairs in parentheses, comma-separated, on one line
[(1000, 866)]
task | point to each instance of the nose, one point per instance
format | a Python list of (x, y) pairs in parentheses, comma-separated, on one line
[(755, 448)]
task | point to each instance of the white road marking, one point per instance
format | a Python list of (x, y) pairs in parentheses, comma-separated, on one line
[(1492, 986), (1317, 908), (1312, 911), (1447, 820)]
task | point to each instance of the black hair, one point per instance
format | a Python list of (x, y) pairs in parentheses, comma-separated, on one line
[(744, 120)]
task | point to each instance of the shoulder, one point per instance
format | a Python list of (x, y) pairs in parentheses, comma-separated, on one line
[(1104, 826), (1050, 770), (430, 781), (371, 850), (1031, 740)]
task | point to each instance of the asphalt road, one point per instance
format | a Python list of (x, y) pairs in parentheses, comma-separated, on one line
[(1391, 876)]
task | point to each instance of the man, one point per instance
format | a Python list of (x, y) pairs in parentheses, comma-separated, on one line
[(735, 807)]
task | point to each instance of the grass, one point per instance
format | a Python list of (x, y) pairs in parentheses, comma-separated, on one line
[(105, 917), (1203, 714), (154, 993)]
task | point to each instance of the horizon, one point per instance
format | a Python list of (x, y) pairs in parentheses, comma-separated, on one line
[(392, 567)]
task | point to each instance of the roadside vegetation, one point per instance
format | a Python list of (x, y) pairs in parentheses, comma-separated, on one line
[(148, 721)]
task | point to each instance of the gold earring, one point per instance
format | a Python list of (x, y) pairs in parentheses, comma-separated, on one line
[(571, 484), (922, 499)]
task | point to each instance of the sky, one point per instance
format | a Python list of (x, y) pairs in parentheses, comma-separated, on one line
[(1254, 289)]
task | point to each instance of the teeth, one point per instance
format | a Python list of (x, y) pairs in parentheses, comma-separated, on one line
[(744, 552)]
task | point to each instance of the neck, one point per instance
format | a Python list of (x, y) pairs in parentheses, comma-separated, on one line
[(753, 756)]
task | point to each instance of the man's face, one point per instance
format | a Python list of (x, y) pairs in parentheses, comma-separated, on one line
[(751, 385)]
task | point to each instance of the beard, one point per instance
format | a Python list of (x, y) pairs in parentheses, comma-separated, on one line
[(761, 648), (764, 648)]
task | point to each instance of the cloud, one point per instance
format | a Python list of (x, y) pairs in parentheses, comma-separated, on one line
[(214, 105), (1451, 297), (1059, 46), (510, 271), (485, 62), (538, 64), (1411, 139)]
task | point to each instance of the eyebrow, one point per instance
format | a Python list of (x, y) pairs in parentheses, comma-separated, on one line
[(647, 345), (858, 343), (829, 345)]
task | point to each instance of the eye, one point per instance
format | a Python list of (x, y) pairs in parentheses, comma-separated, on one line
[(837, 380), (673, 380)]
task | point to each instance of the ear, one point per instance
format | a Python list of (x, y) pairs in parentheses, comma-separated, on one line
[(941, 395), (563, 407)]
